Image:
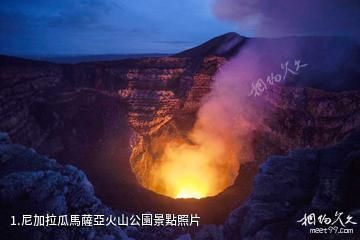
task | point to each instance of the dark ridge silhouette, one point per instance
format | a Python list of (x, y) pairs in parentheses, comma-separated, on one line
[(226, 45)]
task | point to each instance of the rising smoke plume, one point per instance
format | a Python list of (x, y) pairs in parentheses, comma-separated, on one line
[(283, 17), (220, 139)]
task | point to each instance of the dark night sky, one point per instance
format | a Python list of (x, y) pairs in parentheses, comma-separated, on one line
[(106, 26), (51, 27)]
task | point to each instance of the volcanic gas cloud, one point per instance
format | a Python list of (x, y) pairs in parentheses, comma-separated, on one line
[(209, 160)]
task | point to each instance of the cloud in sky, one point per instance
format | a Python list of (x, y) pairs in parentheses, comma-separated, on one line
[(105, 26), (283, 17)]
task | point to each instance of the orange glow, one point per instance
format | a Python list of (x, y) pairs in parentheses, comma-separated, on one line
[(186, 193), (196, 170), (205, 161), (203, 164)]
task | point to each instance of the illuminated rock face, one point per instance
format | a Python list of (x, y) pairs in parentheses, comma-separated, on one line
[(298, 117), (164, 117), (158, 94), (160, 98)]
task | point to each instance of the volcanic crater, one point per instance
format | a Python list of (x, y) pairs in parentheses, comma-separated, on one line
[(115, 119)]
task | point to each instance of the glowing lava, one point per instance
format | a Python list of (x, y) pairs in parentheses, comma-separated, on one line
[(205, 161), (194, 190), (188, 193), (196, 170)]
